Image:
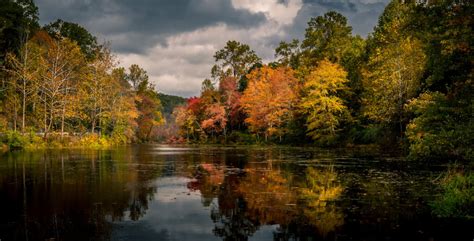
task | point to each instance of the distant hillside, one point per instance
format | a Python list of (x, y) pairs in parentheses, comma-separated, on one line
[(169, 102)]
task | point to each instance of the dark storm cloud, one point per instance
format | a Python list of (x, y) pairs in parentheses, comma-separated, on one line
[(145, 22)]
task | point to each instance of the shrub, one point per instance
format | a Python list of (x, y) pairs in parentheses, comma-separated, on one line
[(15, 140), (457, 199)]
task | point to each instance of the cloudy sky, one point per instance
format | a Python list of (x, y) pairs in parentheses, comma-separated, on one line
[(174, 40)]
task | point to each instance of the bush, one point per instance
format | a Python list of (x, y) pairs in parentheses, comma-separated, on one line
[(15, 140), (238, 137), (442, 128), (457, 199)]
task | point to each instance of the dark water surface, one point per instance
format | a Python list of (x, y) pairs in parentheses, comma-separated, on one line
[(154, 192)]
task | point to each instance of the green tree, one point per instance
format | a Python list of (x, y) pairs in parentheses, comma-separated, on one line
[(326, 36), (288, 54), (234, 60), (137, 77), (73, 31), (18, 22)]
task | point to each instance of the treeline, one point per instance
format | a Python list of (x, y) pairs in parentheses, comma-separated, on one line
[(408, 84), (58, 83)]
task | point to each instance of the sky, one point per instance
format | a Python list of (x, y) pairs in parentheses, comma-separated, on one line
[(175, 40)]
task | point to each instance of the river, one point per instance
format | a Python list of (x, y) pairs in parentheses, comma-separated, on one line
[(156, 192)]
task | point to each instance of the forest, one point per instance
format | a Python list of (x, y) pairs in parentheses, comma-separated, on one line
[(408, 86), (61, 88)]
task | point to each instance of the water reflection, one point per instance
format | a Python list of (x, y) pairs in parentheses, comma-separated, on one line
[(163, 193)]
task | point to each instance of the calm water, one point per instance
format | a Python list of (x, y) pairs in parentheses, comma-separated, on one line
[(168, 193)]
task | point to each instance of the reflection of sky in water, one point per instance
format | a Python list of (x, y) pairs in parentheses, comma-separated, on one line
[(175, 213)]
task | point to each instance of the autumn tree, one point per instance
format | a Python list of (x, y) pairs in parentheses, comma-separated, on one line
[(186, 121), (215, 120), (24, 71), (98, 90), (148, 103), (324, 109), (230, 98), (392, 78), (269, 100), (61, 64), (395, 66)]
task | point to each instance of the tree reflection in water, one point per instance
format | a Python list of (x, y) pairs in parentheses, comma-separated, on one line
[(67, 198), (271, 195), (318, 196)]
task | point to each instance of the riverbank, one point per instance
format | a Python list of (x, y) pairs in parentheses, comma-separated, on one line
[(13, 140)]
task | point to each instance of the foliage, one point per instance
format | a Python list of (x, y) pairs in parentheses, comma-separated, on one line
[(323, 107), (269, 100), (392, 78), (15, 140), (73, 31), (169, 102), (234, 60), (440, 128), (18, 22), (327, 36), (457, 199)]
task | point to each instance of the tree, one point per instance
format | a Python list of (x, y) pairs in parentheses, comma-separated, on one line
[(73, 31), (441, 129), (288, 54), (186, 121), (321, 104), (269, 100), (98, 89), (25, 75), (215, 121), (391, 79), (234, 60), (150, 116), (120, 75), (137, 77), (230, 98), (326, 36), (18, 22), (61, 67)]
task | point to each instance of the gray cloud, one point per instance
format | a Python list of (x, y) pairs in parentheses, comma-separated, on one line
[(135, 25), (174, 40)]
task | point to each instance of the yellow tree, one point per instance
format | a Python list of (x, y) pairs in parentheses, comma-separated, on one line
[(98, 89), (392, 77), (324, 109), (61, 67), (24, 71), (186, 121), (269, 100)]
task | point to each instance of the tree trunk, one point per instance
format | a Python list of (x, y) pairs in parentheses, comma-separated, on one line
[(45, 119), (93, 126), (62, 120), (23, 114)]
